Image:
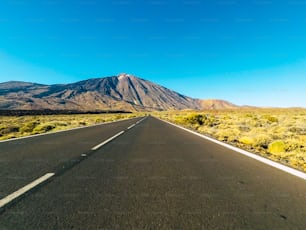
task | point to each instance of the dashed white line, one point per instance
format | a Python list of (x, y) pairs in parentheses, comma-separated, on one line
[(108, 140), (47, 176), (117, 135), (24, 189), (131, 126), (274, 164), (141, 120)]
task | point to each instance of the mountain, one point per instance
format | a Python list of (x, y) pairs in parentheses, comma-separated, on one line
[(122, 92), (216, 104)]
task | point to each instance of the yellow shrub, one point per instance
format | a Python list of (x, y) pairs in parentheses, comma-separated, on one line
[(276, 147), (227, 134), (247, 140), (42, 128), (262, 140), (28, 127), (270, 118)]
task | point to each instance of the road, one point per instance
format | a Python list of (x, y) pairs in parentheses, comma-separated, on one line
[(153, 176), (23, 160)]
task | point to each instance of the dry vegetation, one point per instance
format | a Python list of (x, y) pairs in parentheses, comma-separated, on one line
[(278, 134), (19, 126)]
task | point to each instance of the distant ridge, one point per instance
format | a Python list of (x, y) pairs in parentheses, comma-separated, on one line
[(124, 92), (216, 104), (17, 112)]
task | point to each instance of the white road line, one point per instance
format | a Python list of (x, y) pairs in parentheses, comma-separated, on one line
[(115, 136), (24, 189), (40, 180), (274, 164), (108, 140), (66, 130), (140, 120), (131, 126)]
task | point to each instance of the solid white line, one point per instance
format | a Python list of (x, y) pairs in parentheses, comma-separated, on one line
[(274, 164), (131, 126), (108, 140), (24, 189)]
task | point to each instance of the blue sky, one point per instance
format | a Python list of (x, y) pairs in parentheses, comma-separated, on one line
[(248, 52)]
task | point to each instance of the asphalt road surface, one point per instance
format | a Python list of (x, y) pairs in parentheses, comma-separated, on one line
[(152, 176), (24, 160)]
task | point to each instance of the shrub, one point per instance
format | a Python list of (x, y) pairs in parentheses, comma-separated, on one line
[(276, 147), (179, 120), (293, 145), (195, 119), (263, 140), (247, 140), (118, 117), (230, 135), (28, 127), (9, 129), (211, 121), (44, 128), (99, 120), (244, 128), (298, 130), (270, 118)]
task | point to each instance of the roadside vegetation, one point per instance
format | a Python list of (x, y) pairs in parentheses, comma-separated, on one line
[(20, 126), (277, 134)]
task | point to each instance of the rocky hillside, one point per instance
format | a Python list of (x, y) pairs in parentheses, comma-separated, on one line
[(122, 92)]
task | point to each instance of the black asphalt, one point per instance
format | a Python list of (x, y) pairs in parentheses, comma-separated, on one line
[(24, 160), (156, 176)]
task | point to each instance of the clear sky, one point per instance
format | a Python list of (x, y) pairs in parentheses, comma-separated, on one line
[(246, 51)]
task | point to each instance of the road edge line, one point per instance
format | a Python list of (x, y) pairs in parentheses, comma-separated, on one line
[(266, 161), (11, 197), (66, 130)]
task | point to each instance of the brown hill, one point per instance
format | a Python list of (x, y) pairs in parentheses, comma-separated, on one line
[(123, 92), (216, 104)]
